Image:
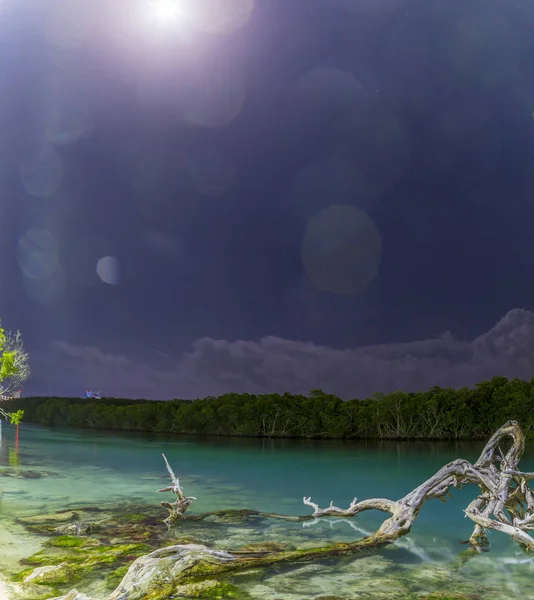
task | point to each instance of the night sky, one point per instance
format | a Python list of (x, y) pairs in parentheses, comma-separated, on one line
[(213, 196)]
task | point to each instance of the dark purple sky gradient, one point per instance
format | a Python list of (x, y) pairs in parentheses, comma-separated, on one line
[(286, 206)]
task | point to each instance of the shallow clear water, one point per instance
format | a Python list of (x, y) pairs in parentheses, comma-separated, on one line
[(85, 467)]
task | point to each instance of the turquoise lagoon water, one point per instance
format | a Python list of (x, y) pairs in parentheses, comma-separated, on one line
[(95, 468)]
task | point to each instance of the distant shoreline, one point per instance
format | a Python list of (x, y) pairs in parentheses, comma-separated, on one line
[(437, 414)]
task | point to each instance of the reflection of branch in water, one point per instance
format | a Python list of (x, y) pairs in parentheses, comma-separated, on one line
[(407, 543), (518, 561)]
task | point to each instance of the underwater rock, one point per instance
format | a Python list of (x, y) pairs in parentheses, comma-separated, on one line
[(49, 574), (368, 566), (59, 517), (78, 528), (385, 588), (228, 517), (430, 575), (20, 474), (23, 591)]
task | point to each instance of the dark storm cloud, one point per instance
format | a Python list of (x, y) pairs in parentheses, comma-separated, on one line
[(273, 364)]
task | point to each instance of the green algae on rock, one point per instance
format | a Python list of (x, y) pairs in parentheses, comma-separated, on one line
[(70, 541), (25, 591), (67, 559)]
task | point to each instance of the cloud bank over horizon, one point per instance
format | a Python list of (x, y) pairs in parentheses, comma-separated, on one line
[(214, 367)]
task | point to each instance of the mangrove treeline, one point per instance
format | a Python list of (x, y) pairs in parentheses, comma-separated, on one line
[(467, 413)]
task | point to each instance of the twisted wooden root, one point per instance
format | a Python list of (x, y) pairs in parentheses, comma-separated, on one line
[(506, 502)]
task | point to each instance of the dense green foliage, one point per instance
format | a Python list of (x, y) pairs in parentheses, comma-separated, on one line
[(435, 414), (14, 367)]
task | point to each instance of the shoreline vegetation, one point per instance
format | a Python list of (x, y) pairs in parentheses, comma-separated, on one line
[(437, 414)]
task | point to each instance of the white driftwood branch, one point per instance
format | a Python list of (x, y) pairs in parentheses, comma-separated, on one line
[(506, 502), (178, 508), (331, 510)]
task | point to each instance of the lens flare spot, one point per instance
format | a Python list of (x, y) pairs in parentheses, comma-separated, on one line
[(107, 269), (42, 173), (37, 254), (341, 250)]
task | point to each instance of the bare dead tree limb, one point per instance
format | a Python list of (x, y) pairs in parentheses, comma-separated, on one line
[(506, 502), (178, 508)]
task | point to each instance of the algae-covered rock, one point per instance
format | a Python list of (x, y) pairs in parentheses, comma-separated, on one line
[(68, 541), (52, 574), (66, 560), (24, 591), (230, 516), (85, 555), (93, 546), (134, 518)]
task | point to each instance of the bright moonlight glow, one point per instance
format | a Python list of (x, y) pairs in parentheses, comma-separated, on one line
[(164, 10)]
